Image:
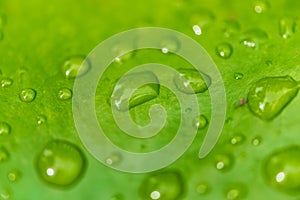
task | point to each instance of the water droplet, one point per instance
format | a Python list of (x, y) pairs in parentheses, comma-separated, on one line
[(113, 159), (256, 141), (253, 38), (5, 128), (191, 81), (287, 27), (13, 175), (238, 76), (223, 162), (203, 188), (41, 119), (237, 139), (121, 98), (236, 192), (282, 169), (4, 155), (230, 27), (224, 50), (122, 51), (64, 94), (27, 95), (261, 6), (268, 96), (200, 122), (169, 45), (162, 186), (197, 30), (75, 66), (6, 82), (201, 20), (5, 194), (60, 163)]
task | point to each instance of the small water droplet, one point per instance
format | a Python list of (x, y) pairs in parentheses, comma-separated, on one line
[(122, 51), (281, 169), (261, 6), (13, 175), (4, 155), (197, 30), (60, 163), (256, 141), (200, 122), (6, 82), (113, 159), (41, 119), (5, 128), (268, 96), (27, 95), (224, 50), (223, 162), (237, 139), (253, 38), (201, 20), (231, 27), (75, 66), (162, 186), (238, 76), (191, 81), (169, 45), (121, 98), (203, 188), (287, 27), (64, 94), (235, 192)]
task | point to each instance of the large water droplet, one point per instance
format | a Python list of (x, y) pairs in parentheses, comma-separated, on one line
[(6, 82), (64, 94), (282, 169), (268, 96), (191, 81), (224, 50), (75, 66), (5, 128), (122, 99), (163, 186), (223, 162), (60, 163), (4, 155), (261, 6), (27, 95), (253, 38), (287, 27)]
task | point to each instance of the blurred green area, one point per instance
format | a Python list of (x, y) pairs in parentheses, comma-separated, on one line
[(37, 37)]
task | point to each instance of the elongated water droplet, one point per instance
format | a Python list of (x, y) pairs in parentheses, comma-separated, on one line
[(287, 27), (13, 175), (163, 186), (64, 94), (5, 128), (60, 163), (191, 78), (27, 95), (261, 6), (75, 66), (200, 122), (223, 162), (224, 50), (253, 38), (6, 82), (268, 96), (281, 169), (122, 99), (4, 155)]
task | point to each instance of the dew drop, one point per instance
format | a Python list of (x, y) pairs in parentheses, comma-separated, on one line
[(5, 128), (169, 45), (6, 82), (191, 81), (236, 192), (268, 96), (163, 186), (13, 175), (113, 159), (121, 98), (41, 119), (75, 66), (4, 155), (238, 76), (200, 122), (253, 38), (256, 141), (64, 94), (224, 50), (202, 188), (223, 162), (287, 27), (197, 30), (261, 6), (281, 169), (237, 139), (60, 163), (27, 95)]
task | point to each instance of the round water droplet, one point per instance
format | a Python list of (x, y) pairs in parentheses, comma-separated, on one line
[(238, 76), (281, 169), (224, 50), (41, 119), (5, 128), (4, 155), (201, 20), (13, 175), (287, 27), (256, 141), (163, 186), (253, 38), (169, 45), (60, 163), (200, 122), (223, 162), (268, 96), (191, 81), (122, 51), (6, 82), (113, 159), (27, 95), (203, 188), (236, 192), (75, 66), (64, 94), (237, 139), (261, 6)]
